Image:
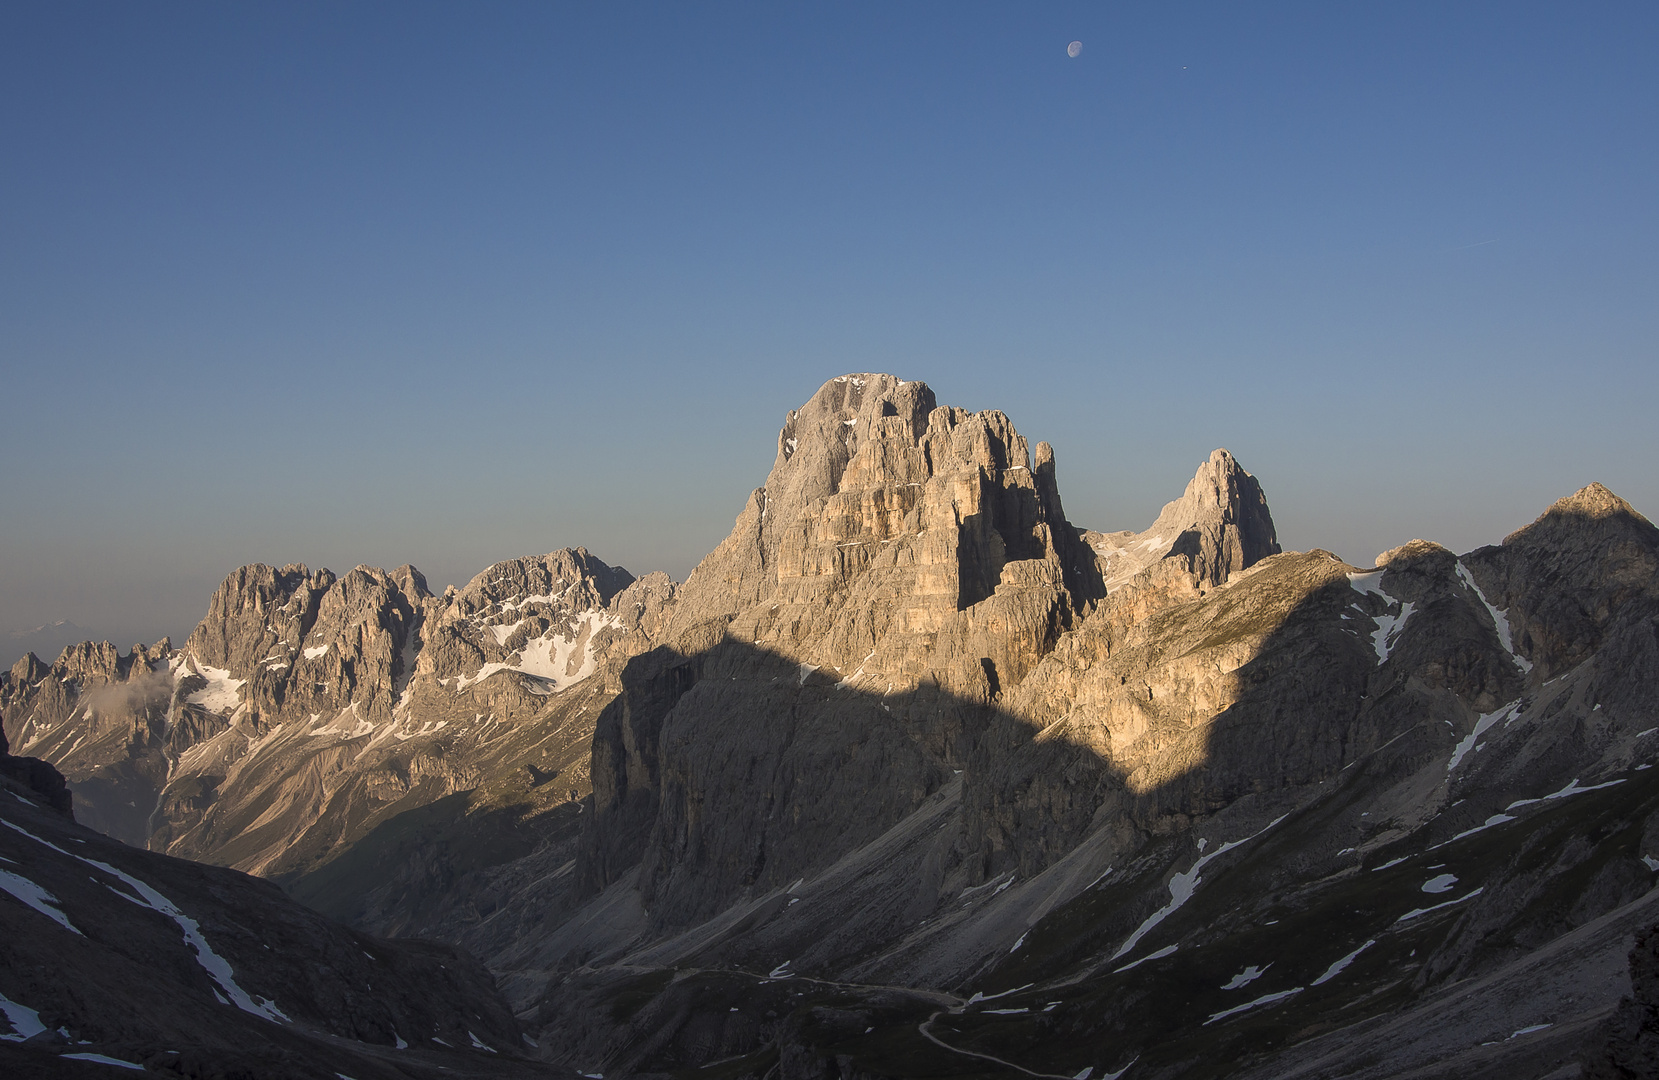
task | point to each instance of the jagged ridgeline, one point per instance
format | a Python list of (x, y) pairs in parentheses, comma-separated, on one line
[(914, 777)]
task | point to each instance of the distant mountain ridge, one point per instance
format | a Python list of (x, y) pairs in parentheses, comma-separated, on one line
[(48, 639), (912, 776)]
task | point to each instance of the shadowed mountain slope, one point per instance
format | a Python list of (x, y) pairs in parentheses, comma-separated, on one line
[(912, 777), (1206, 861), (117, 958)]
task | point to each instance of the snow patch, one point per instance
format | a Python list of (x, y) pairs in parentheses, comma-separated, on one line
[(1337, 968), (1440, 883), (24, 1020), (1495, 819), (844, 682), (1167, 950), (315, 651), (1414, 912), (220, 695), (1265, 999), (538, 598), (1246, 977), (1369, 582), (1508, 712), (36, 897), (1499, 621), (1572, 788), (1181, 888), (980, 996), (102, 1060), (211, 962), (1388, 631), (549, 657), (1389, 627)]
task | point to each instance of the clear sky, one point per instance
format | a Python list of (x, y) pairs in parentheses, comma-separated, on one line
[(351, 283)]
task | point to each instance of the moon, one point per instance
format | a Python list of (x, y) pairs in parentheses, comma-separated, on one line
[(1074, 48)]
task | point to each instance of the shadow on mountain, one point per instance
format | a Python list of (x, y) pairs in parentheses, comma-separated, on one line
[(758, 821), (729, 770)]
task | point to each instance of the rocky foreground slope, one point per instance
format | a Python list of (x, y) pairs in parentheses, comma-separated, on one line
[(117, 960), (911, 777)]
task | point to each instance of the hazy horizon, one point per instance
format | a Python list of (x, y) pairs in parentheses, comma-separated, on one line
[(457, 575), (375, 284)]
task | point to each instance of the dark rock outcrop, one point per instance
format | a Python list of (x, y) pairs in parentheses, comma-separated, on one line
[(1626, 1047), (39, 778)]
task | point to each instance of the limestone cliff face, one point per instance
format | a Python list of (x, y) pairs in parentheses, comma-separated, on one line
[(903, 567), (1152, 720), (305, 709), (1086, 802), (385, 698), (310, 643), (1219, 526), (1425, 788), (37, 777), (876, 489)]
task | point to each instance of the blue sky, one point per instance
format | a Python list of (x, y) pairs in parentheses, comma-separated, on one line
[(359, 283)]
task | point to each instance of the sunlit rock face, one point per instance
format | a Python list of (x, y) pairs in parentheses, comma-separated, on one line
[(1285, 770), (306, 709), (911, 770), (902, 565), (1219, 525)]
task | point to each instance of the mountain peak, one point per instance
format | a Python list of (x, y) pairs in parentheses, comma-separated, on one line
[(1592, 500), (1220, 525), (867, 468), (1592, 503)]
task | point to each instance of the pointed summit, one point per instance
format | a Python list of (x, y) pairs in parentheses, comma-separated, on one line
[(1592, 504), (1564, 578), (1220, 525), (1591, 501)]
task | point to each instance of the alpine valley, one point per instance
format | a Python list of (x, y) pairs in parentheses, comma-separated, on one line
[(911, 777)]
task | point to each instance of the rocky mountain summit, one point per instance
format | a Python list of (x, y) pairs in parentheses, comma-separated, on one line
[(912, 776), (1219, 525)]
